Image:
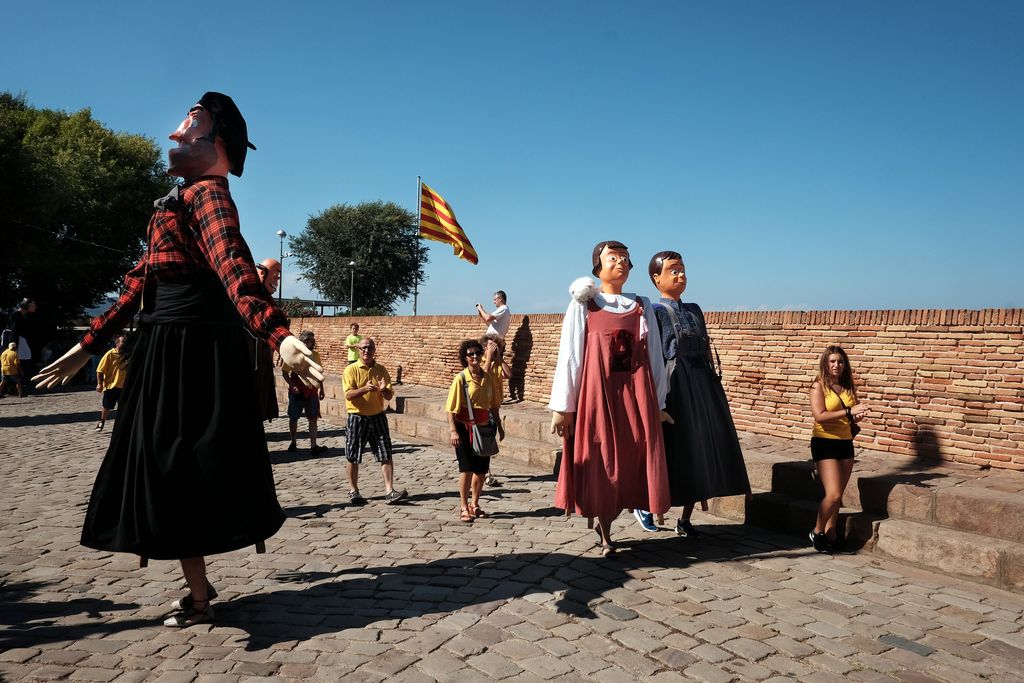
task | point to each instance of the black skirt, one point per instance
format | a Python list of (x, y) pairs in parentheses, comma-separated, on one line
[(187, 473), (468, 460)]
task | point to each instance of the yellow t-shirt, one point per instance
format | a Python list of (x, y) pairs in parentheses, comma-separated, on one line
[(112, 368), (835, 429), (357, 375), (10, 364), (481, 395), (352, 340)]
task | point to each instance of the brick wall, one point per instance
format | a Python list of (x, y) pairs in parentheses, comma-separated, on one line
[(942, 384)]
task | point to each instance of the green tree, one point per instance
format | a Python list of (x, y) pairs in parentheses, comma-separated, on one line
[(76, 200), (381, 238)]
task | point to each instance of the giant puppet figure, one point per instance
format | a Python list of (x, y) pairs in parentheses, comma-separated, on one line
[(703, 451), (607, 397), (187, 472)]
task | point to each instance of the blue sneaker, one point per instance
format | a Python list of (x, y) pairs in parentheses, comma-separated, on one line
[(646, 519)]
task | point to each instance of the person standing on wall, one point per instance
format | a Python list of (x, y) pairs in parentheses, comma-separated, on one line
[(500, 318), (836, 412)]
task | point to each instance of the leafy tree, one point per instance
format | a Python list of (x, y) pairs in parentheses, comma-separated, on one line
[(383, 240), (76, 200)]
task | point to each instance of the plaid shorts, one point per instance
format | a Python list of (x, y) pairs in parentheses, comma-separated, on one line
[(367, 429)]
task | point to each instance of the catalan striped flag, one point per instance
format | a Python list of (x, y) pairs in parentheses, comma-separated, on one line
[(438, 223)]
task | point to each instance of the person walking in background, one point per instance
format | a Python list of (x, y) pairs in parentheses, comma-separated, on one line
[(261, 354), (10, 368), (367, 387), (304, 399), (500, 318), (702, 448), (481, 409), (110, 374), (836, 412), (352, 343), (20, 333)]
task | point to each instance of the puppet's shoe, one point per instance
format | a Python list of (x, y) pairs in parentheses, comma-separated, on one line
[(191, 616), (646, 519), (686, 530)]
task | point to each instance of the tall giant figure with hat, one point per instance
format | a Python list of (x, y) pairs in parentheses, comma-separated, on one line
[(187, 472)]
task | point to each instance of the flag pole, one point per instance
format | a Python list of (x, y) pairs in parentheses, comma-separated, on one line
[(419, 241)]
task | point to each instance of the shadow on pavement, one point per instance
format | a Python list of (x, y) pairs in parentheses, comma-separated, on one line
[(58, 419)]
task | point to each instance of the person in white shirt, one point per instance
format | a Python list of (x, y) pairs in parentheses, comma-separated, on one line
[(499, 319)]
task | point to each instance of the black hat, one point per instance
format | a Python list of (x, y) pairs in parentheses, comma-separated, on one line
[(230, 126)]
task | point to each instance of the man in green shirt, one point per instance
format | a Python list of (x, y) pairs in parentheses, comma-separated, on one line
[(351, 342)]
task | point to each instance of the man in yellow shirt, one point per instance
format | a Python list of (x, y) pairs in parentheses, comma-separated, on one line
[(10, 368), (367, 387), (110, 380)]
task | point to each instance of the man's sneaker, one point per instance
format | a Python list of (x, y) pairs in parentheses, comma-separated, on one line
[(686, 530), (646, 519), (355, 498), (292, 447), (819, 541), (491, 481), (394, 496)]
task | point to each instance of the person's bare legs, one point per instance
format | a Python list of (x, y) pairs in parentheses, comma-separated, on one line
[(353, 476), (464, 478), (845, 471), (194, 569), (387, 470), (604, 529), (478, 485), (830, 474), (293, 428), (312, 431)]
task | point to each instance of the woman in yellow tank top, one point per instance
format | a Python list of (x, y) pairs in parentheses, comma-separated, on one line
[(835, 408)]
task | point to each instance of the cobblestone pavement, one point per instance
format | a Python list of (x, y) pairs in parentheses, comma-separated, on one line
[(409, 593)]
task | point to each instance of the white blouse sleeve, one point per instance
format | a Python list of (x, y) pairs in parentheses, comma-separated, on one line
[(566, 385), (653, 335)]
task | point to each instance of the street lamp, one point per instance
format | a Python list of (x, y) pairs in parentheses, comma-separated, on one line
[(351, 288), (281, 234)]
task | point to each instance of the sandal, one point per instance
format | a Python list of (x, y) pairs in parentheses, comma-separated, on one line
[(465, 515), (185, 603), (192, 616), (607, 550), (477, 512)]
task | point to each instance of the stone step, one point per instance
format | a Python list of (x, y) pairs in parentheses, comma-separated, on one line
[(945, 501), (988, 560), (532, 454), (524, 425)]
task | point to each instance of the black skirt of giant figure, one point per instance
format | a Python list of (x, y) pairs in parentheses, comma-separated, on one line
[(703, 451), (187, 473)]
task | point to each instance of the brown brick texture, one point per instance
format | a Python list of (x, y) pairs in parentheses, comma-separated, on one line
[(942, 384)]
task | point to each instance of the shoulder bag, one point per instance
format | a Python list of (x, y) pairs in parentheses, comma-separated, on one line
[(484, 439)]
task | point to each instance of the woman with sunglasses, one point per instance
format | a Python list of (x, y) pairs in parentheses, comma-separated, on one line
[(485, 400)]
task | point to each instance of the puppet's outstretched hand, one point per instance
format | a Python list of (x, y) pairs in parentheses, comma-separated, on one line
[(666, 418), (563, 424), (299, 358), (61, 371)]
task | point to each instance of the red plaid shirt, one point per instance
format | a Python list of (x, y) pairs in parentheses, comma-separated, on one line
[(207, 239)]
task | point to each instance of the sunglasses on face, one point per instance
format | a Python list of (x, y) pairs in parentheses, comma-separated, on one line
[(473, 354)]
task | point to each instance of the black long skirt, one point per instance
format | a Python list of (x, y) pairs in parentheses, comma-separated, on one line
[(702, 449), (187, 473)]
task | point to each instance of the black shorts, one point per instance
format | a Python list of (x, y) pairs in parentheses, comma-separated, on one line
[(110, 398), (831, 449), (468, 460)]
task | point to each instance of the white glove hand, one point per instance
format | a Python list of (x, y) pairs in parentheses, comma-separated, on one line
[(60, 371), (300, 359)]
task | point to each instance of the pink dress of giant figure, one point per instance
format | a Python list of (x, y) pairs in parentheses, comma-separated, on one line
[(608, 397)]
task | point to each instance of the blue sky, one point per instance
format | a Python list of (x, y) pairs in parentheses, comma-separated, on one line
[(801, 155)]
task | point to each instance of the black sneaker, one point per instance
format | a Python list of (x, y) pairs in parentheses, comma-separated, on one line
[(394, 496), (491, 481), (820, 542), (355, 498), (686, 530)]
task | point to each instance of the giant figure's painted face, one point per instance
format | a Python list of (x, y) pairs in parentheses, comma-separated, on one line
[(671, 281), (614, 265), (197, 150)]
